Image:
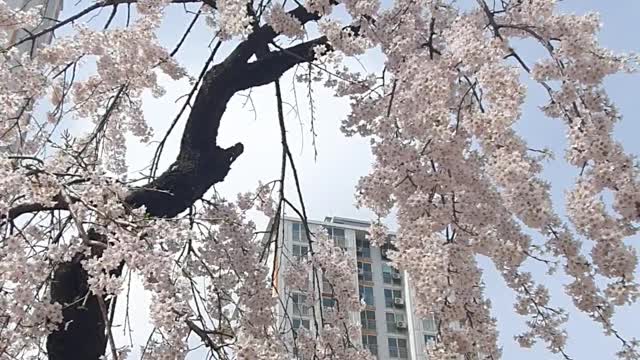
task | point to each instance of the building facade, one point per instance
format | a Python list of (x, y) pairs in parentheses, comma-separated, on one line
[(390, 329), (50, 10)]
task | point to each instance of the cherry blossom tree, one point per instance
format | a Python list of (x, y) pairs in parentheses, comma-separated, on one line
[(440, 117)]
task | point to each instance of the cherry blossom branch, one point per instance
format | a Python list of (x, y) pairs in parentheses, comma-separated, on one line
[(540, 310), (302, 213)]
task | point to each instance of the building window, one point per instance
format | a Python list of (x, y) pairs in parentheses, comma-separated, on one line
[(366, 293), (370, 342), (398, 348), (387, 246), (393, 298), (391, 275), (368, 319), (429, 324), (301, 284), (338, 237), (301, 322), (298, 233), (299, 306), (429, 340), (300, 251), (363, 247), (298, 323), (364, 272), (395, 323), (328, 302)]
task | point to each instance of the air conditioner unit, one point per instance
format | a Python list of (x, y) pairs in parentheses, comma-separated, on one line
[(398, 301), (360, 272), (359, 249), (401, 325), (396, 276)]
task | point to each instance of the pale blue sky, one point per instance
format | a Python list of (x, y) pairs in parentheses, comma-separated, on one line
[(329, 182)]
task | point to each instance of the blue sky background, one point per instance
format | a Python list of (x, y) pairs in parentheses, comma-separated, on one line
[(328, 182)]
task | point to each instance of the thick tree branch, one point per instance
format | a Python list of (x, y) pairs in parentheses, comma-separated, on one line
[(58, 204), (201, 162), (272, 66), (264, 35)]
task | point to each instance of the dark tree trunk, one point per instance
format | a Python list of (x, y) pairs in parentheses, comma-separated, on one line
[(82, 336)]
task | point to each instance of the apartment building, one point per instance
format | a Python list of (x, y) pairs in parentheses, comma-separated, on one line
[(50, 10), (390, 330)]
